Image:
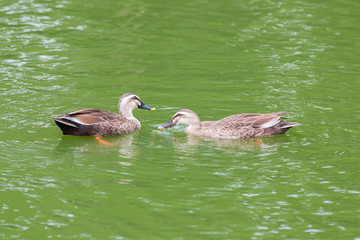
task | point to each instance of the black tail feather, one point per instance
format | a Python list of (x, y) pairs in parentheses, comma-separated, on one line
[(67, 126)]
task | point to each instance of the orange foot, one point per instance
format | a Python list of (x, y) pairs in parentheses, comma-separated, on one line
[(103, 141), (257, 141)]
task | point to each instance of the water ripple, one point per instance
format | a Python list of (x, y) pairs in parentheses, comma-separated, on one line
[(27, 52)]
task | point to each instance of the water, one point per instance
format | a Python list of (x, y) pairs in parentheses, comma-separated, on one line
[(216, 58)]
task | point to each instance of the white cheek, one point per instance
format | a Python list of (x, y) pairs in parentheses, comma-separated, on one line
[(182, 121)]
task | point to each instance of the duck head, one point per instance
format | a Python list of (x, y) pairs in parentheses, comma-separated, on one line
[(183, 116), (129, 102)]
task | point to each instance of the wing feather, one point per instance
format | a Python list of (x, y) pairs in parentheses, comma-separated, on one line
[(253, 120), (90, 116)]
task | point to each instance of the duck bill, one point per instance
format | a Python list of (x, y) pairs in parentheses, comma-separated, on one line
[(144, 106), (169, 124)]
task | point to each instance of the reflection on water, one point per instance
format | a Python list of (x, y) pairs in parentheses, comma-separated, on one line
[(189, 144), (79, 146), (126, 146)]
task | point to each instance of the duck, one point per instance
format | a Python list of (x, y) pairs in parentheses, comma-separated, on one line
[(239, 126), (98, 122)]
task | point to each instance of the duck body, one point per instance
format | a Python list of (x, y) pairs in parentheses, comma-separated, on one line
[(98, 122), (237, 126), (102, 123)]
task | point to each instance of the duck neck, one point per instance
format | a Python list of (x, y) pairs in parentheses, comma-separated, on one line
[(126, 111), (194, 128)]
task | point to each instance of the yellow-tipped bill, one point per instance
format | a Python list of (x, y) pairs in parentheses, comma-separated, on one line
[(144, 106)]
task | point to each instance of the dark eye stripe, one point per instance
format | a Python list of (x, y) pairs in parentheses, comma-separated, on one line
[(136, 98), (176, 115)]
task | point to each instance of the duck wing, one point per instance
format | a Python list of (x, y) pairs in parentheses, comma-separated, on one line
[(252, 120), (89, 116)]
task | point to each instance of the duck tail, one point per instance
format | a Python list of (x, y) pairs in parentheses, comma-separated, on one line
[(67, 127), (290, 124), (65, 122)]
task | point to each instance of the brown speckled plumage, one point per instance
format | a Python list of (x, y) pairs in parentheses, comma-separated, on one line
[(234, 127), (97, 122)]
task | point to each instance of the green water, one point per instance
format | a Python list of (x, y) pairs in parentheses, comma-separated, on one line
[(215, 57)]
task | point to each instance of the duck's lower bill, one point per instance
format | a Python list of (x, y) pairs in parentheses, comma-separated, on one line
[(169, 124)]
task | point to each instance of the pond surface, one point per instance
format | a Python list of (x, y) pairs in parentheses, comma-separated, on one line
[(215, 57)]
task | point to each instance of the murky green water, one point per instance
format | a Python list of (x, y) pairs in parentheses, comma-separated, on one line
[(215, 57)]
